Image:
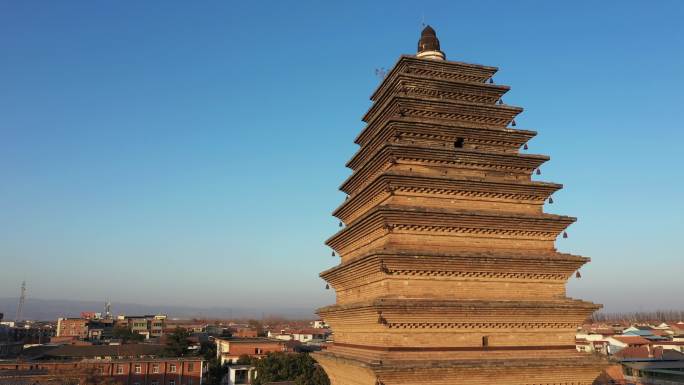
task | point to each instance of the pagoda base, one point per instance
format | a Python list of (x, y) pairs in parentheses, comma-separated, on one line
[(572, 369)]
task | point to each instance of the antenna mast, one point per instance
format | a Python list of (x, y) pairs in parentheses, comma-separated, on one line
[(20, 305)]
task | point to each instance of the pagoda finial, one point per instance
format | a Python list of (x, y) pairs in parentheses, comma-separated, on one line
[(428, 45)]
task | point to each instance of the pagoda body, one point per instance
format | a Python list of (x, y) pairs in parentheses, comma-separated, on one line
[(449, 273)]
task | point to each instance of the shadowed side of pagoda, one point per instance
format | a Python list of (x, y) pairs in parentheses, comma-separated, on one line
[(449, 272)]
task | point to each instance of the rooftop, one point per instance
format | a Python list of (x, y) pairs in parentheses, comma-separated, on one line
[(88, 351), (632, 340), (656, 365), (250, 340)]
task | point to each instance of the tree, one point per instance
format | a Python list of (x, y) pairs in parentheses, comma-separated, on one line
[(177, 343), (208, 350), (318, 377), (244, 360), (126, 335), (215, 371), (300, 368), (256, 325)]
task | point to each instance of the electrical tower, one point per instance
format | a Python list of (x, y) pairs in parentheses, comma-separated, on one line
[(20, 305), (108, 310)]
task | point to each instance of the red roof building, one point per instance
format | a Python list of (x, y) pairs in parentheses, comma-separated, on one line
[(159, 371), (630, 340), (231, 349)]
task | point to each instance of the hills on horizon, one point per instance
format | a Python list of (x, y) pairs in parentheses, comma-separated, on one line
[(50, 309)]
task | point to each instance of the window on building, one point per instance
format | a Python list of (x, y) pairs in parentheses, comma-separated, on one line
[(137, 369), (172, 368), (485, 341), (191, 367), (155, 368), (172, 382), (119, 369), (459, 142), (154, 383), (241, 376)]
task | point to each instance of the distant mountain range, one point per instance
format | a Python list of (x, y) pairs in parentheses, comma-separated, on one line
[(50, 309)]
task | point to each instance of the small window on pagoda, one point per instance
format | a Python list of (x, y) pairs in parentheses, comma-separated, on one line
[(485, 341), (459, 143)]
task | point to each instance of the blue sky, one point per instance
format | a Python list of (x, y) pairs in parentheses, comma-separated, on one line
[(190, 152)]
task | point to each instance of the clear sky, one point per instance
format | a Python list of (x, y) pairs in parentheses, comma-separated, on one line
[(189, 153)]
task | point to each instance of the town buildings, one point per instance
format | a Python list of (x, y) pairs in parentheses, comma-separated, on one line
[(100, 329), (239, 375), (149, 326), (610, 340), (9, 347), (641, 354), (72, 327), (247, 332), (13, 335), (144, 371), (132, 364), (90, 326), (229, 350), (305, 336), (662, 372), (449, 272)]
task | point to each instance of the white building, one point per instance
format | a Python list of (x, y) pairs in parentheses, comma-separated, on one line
[(239, 374), (320, 324), (617, 343), (673, 345), (280, 336), (310, 335)]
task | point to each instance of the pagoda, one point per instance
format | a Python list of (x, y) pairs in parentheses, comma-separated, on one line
[(449, 272)]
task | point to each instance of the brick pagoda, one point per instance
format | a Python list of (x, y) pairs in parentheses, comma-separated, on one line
[(448, 272)]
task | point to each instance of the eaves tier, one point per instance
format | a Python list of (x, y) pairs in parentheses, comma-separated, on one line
[(440, 171)]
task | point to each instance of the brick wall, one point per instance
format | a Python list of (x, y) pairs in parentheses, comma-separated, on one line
[(126, 372), (72, 327)]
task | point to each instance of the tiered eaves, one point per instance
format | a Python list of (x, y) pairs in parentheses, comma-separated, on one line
[(449, 272)]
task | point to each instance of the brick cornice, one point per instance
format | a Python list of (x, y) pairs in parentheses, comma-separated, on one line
[(449, 70), (504, 140), (440, 111), (455, 348), (399, 182), (391, 153), (415, 84), (384, 311), (392, 218)]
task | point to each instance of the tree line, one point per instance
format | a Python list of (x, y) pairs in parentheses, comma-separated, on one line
[(640, 316)]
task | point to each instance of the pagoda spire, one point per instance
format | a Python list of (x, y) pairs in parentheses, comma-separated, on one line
[(449, 272), (428, 45)]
